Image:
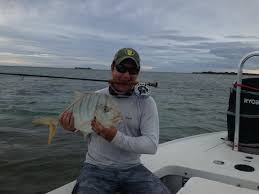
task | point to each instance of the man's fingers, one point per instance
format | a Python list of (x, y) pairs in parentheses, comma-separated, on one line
[(67, 120), (96, 126), (72, 120), (61, 118)]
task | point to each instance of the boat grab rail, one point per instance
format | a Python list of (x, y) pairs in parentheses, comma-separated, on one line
[(238, 92)]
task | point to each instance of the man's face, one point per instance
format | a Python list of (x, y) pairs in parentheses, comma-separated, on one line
[(125, 72)]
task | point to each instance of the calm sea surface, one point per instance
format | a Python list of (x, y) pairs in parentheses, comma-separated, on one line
[(188, 104)]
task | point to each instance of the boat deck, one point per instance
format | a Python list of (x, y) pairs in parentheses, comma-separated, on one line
[(207, 156), (199, 185)]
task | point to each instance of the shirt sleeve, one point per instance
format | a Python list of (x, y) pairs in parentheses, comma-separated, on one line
[(147, 142)]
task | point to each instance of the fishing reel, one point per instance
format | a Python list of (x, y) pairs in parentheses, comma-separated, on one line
[(142, 89)]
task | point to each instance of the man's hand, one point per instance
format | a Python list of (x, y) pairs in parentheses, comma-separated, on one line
[(106, 133), (67, 121)]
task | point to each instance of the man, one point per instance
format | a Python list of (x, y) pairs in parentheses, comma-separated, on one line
[(113, 158)]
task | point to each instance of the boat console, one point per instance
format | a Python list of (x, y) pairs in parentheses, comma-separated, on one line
[(243, 111)]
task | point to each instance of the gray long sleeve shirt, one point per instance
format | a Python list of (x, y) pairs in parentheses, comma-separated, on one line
[(137, 134)]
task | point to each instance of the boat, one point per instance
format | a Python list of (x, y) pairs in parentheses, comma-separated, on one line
[(210, 163)]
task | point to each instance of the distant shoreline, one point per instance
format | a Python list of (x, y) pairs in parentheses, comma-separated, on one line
[(89, 68), (222, 73)]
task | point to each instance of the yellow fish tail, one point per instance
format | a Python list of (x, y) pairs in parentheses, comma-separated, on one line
[(52, 132), (51, 123)]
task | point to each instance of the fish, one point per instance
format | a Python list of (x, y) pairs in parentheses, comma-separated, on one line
[(86, 107)]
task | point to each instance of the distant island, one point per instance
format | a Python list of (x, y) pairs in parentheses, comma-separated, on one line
[(83, 68), (222, 73)]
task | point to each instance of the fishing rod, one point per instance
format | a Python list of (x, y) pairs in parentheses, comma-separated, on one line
[(153, 84)]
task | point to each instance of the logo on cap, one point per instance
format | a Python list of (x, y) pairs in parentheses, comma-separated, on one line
[(129, 52)]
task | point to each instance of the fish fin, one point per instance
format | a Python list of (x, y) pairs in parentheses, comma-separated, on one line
[(78, 95), (52, 132), (45, 121), (52, 125)]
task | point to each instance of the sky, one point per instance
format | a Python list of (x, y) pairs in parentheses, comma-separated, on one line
[(170, 35)]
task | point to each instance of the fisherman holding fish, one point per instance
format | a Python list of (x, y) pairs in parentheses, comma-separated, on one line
[(113, 157)]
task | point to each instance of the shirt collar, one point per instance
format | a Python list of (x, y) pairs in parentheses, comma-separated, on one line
[(119, 94)]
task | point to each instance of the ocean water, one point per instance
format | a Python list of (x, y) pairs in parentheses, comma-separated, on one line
[(188, 104)]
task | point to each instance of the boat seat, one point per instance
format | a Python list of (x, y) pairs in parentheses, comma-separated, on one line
[(196, 185)]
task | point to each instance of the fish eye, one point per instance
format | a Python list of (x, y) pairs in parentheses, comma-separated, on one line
[(106, 109)]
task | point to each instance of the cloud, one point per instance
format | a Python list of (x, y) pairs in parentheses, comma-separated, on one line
[(242, 37), (180, 38), (170, 36)]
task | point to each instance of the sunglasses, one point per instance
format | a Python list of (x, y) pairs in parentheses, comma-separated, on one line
[(122, 69)]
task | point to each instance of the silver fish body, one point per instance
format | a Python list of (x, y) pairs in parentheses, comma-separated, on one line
[(88, 106)]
